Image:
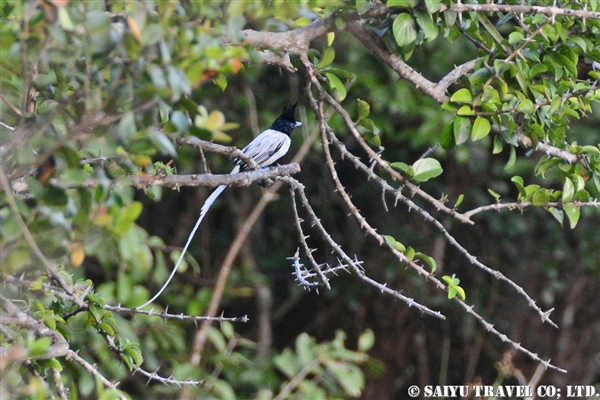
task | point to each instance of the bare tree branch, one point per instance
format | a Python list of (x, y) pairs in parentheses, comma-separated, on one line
[(375, 45), (176, 181), (551, 12), (521, 205), (72, 355)]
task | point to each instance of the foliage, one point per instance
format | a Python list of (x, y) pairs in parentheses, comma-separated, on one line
[(104, 103)]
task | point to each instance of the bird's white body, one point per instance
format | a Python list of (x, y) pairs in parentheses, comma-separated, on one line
[(265, 149)]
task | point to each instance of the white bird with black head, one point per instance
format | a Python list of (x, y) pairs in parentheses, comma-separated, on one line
[(265, 149)]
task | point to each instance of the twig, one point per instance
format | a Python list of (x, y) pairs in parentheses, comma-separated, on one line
[(305, 246), (521, 9), (299, 275), (374, 155), (176, 181), (78, 300), (353, 264), (94, 371), (520, 205)]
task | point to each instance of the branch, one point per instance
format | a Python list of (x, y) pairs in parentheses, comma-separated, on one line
[(353, 264), (372, 154), (94, 371), (374, 44), (229, 151), (520, 205), (153, 376), (296, 41), (549, 150), (551, 12), (83, 305), (176, 181)]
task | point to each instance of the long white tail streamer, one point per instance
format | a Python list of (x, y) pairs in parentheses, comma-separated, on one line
[(209, 202)]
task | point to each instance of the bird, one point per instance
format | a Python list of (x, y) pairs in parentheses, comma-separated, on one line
[(265, 149)]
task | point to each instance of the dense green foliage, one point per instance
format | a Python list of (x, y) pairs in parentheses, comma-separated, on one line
[(471, 180)]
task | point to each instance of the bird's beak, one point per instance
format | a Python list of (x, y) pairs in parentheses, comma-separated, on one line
[(297, 124)]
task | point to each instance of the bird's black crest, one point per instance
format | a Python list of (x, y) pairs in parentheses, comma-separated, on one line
[(288, 113), (286, 122)]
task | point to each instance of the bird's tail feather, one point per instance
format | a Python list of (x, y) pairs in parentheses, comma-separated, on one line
[(209, 201)]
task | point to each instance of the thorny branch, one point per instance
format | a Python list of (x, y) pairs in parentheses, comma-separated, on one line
[(551, 12), (175, 181), (352, 264), (327, 136), (82, 305), (60, 347)]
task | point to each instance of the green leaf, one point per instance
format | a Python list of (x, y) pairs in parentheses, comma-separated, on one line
[(328, 57), (518, 181), (428, 259), (481, 128), (105, 326), (227, 329), (462, 129), (217, 339), (573, 213), (151, 34), (461, 293), (39, 346), (537, 69), (128, 214), (433, 6), (126, 129), (462, 96), (394, 244), (286, 363), (498, 145), (459, 200), (366, 340), (429, 28), (496, 195), (400, 166), (526, 106), (349, 377), (466, 111), (65, 19), (590, 149), (515, 37), (425, 169), (133, 349), (568, 191), (330, 38), (336, 84), (374, 140), (402, 3), (447, 136), (404, 29), (511, 159), (364, 109), (558, 214), (162, 142), (540, 197), (220, 81), (410, 253)]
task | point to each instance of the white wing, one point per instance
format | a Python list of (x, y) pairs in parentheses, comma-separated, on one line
[(268, 147)]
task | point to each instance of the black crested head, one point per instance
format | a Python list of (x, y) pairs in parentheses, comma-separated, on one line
[(286, 122)]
